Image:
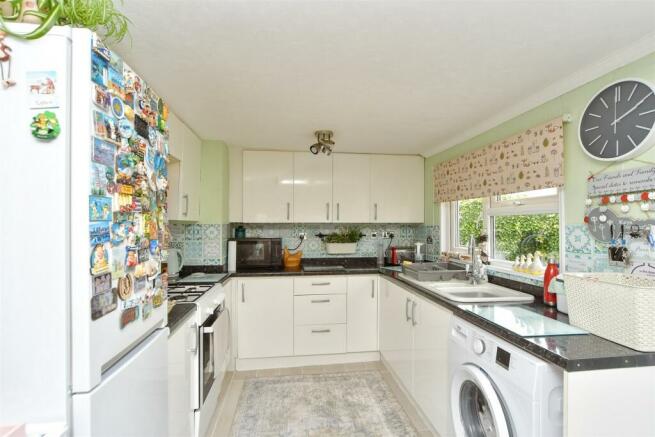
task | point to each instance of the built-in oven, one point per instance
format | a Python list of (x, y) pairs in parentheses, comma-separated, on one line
[(213, 345), (258, 253)]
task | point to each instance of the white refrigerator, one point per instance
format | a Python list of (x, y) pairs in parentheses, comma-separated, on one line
[(82, 218)]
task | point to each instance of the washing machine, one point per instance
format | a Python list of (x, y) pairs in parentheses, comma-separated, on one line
[(498, 390)]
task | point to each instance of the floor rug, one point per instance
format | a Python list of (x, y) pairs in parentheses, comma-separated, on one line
[(358, 404)]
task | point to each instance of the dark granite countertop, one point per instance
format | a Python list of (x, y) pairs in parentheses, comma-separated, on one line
[(179, 313), (570, 352)]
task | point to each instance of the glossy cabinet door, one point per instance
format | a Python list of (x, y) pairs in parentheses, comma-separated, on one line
[(396, 333), (312, 188), (397, 187), (267, 187), (362, 313), (265, 317), (431, 385), (181, 345), (185, 150), (351, 191)]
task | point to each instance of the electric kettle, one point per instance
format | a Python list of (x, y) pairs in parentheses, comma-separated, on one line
[(175, 262)]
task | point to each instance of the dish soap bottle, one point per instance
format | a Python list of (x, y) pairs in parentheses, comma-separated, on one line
[(551, 272)]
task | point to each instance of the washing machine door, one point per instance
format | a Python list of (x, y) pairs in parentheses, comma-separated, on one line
[(477, 409)]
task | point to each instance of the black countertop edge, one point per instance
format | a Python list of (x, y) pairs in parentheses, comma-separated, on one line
[(591, 352), (180, 312)]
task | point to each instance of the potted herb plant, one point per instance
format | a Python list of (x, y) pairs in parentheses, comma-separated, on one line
[(342, 242), (99, 16)]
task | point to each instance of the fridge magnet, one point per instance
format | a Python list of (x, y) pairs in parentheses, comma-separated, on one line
[(119, 232), (101, 283), (154, 247), (144, 254), (131, 257), (106, 127), (117, 107), (99, 233), (115, 82), (147, 307), (102, 179), (103, 152), (125, 128), (116, 63), (103, 304), (158, 298), (5, 59), (101, 98), (99, 70), (45, 126), (152, 269), (129, 113), (43, 90), (99, 262), (141, 126), (118, 261), (124, 287), (100, 48), (99, 209), (132, 82), (129, 315)]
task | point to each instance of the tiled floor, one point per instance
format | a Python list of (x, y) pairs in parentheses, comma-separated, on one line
[(234, 384)]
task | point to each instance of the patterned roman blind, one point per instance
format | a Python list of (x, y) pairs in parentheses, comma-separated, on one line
[(529, 160)]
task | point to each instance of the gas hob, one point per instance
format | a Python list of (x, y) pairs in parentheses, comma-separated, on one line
[(186, 292)]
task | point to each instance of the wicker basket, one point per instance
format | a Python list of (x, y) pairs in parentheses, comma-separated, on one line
[(615, 306)]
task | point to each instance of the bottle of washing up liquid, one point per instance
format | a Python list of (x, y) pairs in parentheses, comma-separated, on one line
[(551, 272)]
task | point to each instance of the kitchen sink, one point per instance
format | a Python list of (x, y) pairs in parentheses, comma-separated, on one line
[(464, 291)]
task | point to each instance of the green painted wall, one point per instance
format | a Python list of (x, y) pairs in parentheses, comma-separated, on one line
[(214, 183), (577, 165)]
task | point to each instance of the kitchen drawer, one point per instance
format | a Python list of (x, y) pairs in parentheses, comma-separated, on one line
[(320, 285), (319, 339), (319, 309)]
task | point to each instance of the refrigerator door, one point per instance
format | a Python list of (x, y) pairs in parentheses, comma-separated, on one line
[(34, 237), (131, 399), (96, 344)]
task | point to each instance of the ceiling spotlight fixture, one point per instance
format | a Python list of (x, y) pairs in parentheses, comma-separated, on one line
[(323, 143)]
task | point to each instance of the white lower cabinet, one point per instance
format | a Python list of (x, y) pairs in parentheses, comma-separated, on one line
[(414, 342), (180, 378), (362, 313), (320, 339), (265, 317)]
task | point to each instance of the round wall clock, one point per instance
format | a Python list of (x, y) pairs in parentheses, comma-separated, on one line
[(618, 123)]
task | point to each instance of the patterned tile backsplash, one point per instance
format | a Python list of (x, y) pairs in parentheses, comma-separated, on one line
[(207, 244)]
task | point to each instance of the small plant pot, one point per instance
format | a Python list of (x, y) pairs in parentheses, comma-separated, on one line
[(340, 248)]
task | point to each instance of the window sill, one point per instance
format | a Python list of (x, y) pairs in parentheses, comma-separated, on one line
[(504, 270)]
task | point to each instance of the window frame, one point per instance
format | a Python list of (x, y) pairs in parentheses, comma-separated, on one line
[(493, 207)]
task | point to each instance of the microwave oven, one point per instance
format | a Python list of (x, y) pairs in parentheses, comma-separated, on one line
[(257, 253)]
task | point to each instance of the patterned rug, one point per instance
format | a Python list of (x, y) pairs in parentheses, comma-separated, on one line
[(340, 404)]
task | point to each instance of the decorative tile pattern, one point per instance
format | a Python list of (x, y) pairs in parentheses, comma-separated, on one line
[(341, 404), (200, 244)]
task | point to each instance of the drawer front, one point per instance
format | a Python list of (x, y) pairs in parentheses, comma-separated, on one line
[(319, 339), (319, 309), (320, 285)]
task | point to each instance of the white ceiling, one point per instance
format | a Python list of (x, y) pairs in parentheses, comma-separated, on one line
[(386, 76)]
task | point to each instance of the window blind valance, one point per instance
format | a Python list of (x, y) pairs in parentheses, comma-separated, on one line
[(529, 160)]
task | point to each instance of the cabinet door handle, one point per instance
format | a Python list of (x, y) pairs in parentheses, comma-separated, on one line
[(414, 321), (243, 293), (327, 211), (338, 218), (372, 288), (186, 204), (375, 208), (320, 331), (407, 317), (320, 283), (321, 301), (288, 211)]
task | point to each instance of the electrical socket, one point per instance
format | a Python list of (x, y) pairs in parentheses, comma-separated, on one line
[(385, 234), (374, 235), (301, 235)]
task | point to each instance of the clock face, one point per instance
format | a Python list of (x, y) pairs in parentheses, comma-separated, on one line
[(619, 121)]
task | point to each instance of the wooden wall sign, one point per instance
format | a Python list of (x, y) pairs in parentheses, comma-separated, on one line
[(623, 181)]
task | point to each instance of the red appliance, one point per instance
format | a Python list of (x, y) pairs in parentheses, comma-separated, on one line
[(549, 275)]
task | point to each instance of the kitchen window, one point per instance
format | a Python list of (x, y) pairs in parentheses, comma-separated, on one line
[(514, 224)]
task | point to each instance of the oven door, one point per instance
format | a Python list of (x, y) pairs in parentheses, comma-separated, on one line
[(207, 356)]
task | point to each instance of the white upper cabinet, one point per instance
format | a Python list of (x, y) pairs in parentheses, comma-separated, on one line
[(312, 188), (351, 188), (185, 149), (267, 187), (397, 189)]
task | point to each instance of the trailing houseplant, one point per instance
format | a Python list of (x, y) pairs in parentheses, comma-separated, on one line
[(343, 241), (99, 16)]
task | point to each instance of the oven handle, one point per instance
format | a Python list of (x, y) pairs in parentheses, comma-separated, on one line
[(193, 338)]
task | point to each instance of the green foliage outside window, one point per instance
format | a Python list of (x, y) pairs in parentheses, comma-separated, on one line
[(521, 234), (470, 220)]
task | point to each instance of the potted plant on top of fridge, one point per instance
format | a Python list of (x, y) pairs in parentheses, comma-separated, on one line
[(100, 16), (343, 241)]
